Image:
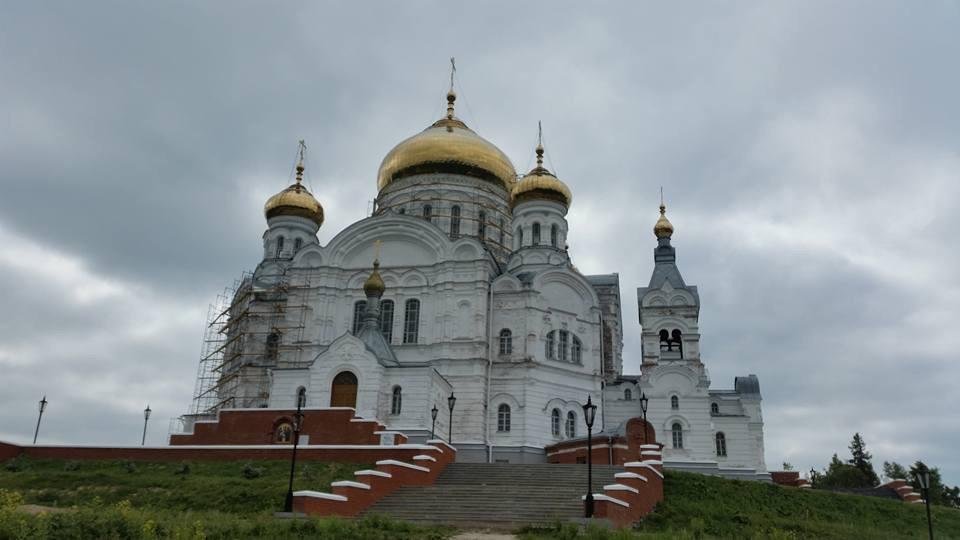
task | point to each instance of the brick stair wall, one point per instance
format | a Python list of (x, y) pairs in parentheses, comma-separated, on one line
[(904, 491)]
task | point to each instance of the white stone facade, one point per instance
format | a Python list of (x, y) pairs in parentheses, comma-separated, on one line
[(481, 300)]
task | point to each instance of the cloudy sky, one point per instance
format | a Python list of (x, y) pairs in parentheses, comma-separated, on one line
[(808, 152)]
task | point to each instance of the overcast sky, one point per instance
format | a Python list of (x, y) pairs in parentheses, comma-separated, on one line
[(808, 152)]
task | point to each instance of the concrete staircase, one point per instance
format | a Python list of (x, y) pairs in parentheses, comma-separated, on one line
[(497, 495)]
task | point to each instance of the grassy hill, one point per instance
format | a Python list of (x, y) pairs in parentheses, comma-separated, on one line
[(117, 499)]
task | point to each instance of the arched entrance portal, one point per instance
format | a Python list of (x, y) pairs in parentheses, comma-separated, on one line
[(344, 390)]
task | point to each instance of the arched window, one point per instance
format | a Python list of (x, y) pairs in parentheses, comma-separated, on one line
[(503, 418), (386, 319), (714, 409), (676, 342), (343, 390), (411, 321), (519, 237), (571, 424), (501, 231), (301, 397), (273, 345), (721, 444), (279, 246), (555, 422), (627, 394), (428, 212), (562, 345), (506, 341), (677, 431), (283, 433), (482, 225), (674, 402), (664, 340), (402, 211), (554, 235), (455, 221), (397, 400), (297, 244), (536, 234), (358, 308), (548, 345), (576, 351)]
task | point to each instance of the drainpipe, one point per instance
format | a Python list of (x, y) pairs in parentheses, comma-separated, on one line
[(486, 395), (609, 450), (603, 408)]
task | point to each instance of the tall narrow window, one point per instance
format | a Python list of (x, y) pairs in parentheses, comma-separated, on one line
[(396, 402), (297, 244), (455, 222), (386, 320), (301, 397), (482, 225), (674, 402), (519, 237), (358, 308), (503, 418), (571, 424), (554, 235), (664, 340), (506, 341), (714, 409), (536, 234), (411, 321), (677, 431), (427, 212), (721, 444), (273, 345), (548, 344), (576, 351), (676, 342), (562, 345), (279, 246), (627, 394), (501, 230), (555, 422)]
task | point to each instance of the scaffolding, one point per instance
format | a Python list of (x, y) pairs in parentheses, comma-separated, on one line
[(249, 330)]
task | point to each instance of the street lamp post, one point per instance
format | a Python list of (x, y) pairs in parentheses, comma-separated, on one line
[(589, 411), (297, 424), (451, 401), (433, 416), (146, 417), (43, 407), (923, 476), (643, 407)]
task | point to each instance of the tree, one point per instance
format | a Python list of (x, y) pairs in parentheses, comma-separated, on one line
[(841, 475), (787, 466), (860, 459), (894, 470)]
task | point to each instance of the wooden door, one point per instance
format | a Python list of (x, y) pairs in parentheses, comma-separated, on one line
[(344, 390)]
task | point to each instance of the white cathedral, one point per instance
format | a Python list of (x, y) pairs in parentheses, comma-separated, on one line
[(460, 283)]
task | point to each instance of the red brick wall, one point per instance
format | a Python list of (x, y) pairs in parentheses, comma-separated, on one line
[(9, 451), (258, 426), (575, 451)]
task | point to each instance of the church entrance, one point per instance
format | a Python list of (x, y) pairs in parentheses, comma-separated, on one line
[(344, 391)]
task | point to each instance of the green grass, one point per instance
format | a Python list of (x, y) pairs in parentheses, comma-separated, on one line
[(205, 500), (698, 506), (219, 486)]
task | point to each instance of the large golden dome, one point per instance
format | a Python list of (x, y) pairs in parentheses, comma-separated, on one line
[(540, 183), (448, 145), (295, 201)]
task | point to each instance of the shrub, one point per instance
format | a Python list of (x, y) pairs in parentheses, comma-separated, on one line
[(71, 466), (250, 472), (183, 470), (16, 464)]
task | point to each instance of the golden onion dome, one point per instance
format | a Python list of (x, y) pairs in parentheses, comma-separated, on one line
[(447, 145), (374, 285), (540, 183), (663, 227), (295, 201)]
